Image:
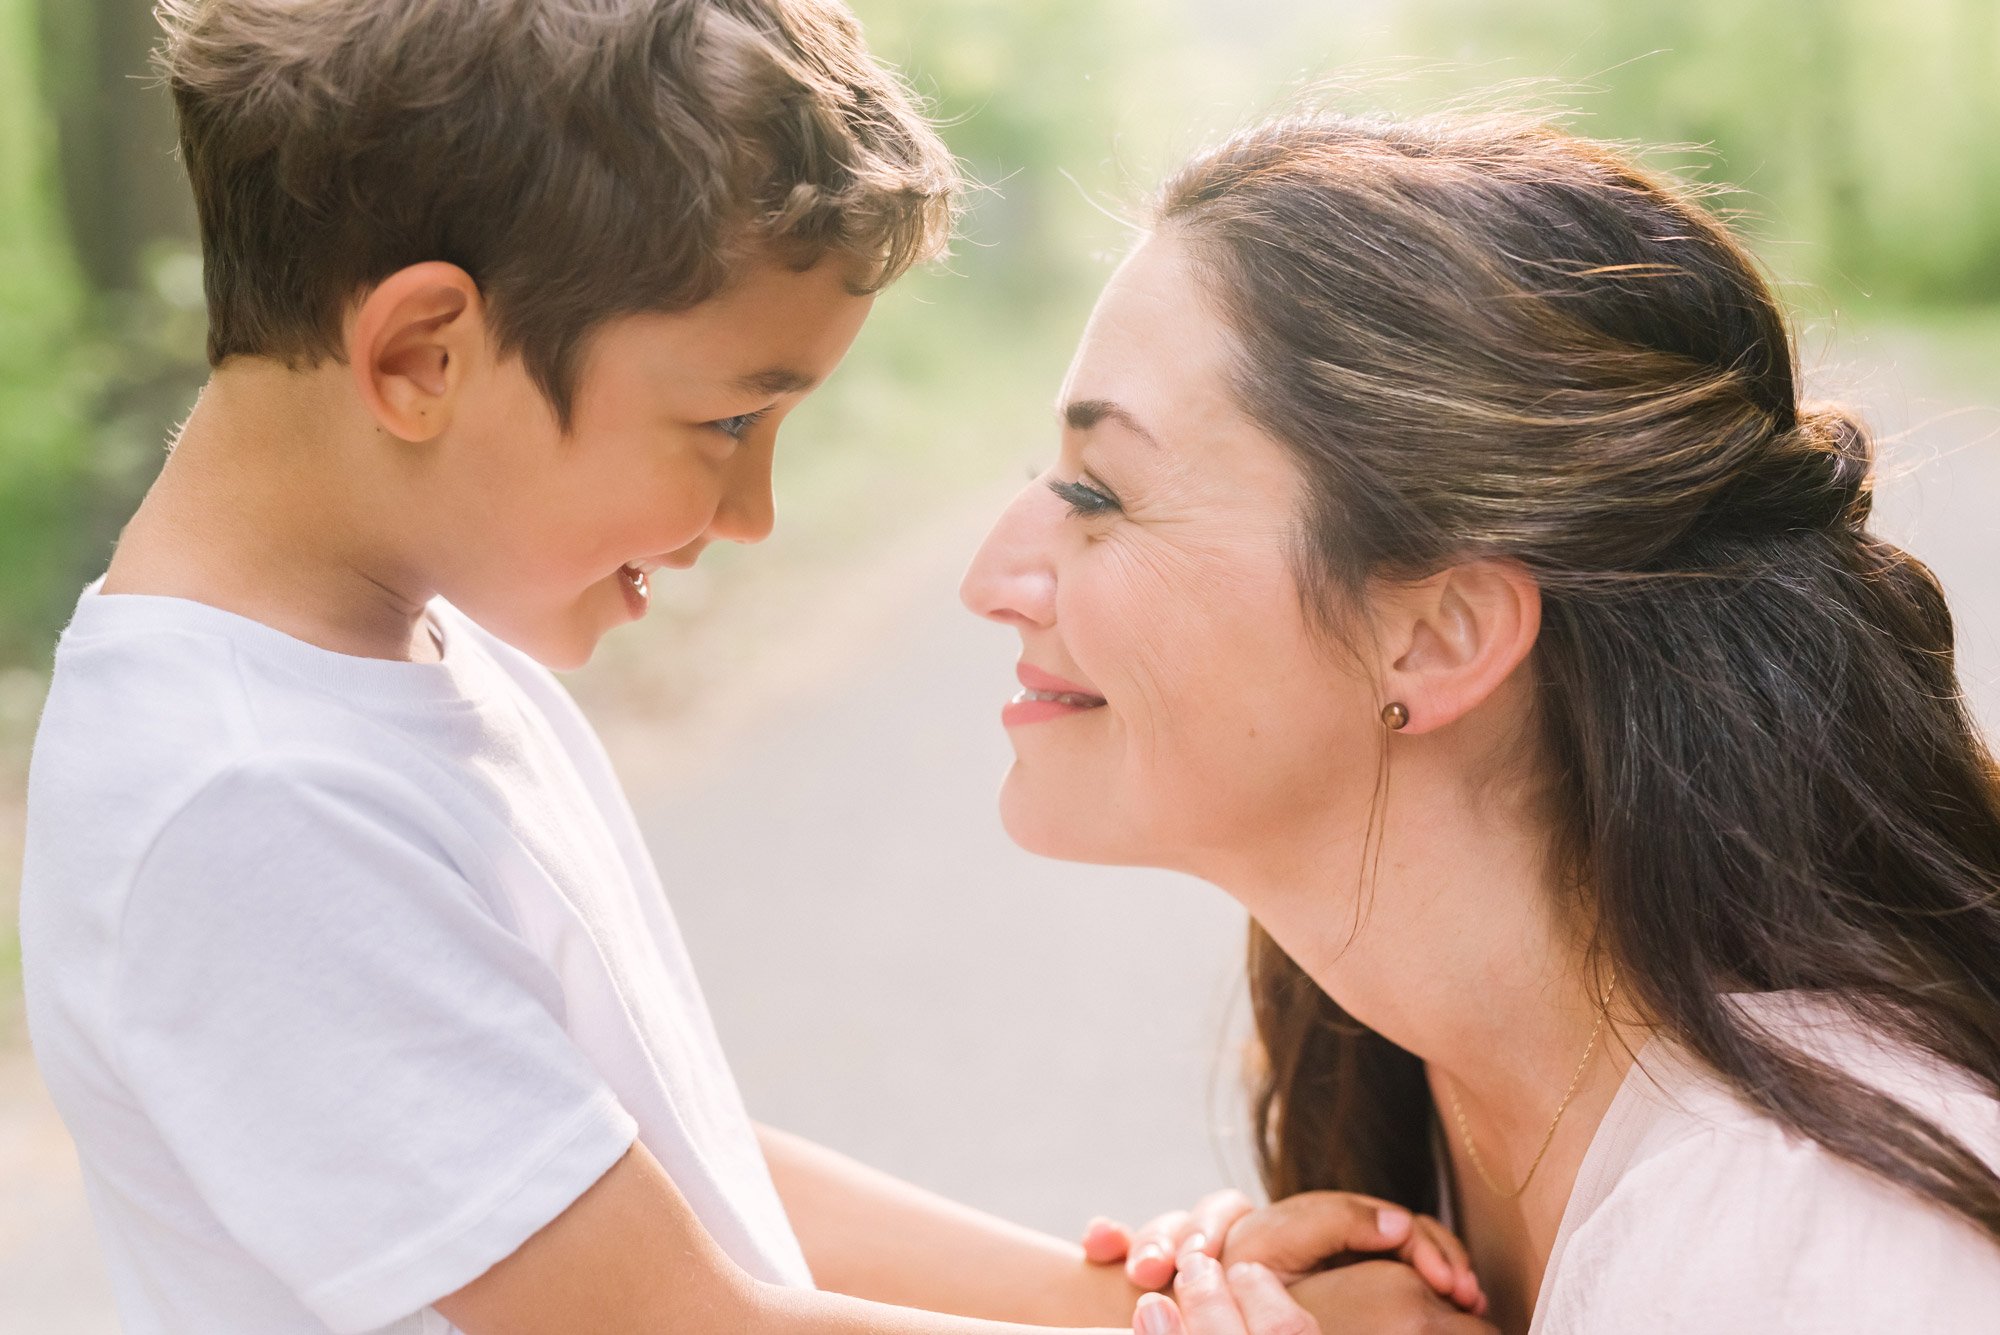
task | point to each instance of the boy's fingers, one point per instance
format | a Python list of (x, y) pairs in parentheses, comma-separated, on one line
[(1106, 1241), (1294, 1235), (1457, 1282), (1423, 1253), (1267, 1309), (1212, 1218), (1447, 1241), (1151, 1262)]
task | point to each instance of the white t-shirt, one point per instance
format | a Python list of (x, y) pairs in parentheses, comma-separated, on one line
[(1693, 1212), (349, 975)]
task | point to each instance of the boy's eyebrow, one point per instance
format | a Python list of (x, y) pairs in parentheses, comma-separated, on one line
[(776, 380), (1087, 413)]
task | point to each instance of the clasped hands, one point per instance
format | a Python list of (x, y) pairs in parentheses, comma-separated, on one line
[(1352, 1262)]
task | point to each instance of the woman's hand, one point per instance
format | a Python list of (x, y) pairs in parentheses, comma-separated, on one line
[(1249, 1301), (1380, 1297), (1293, 1237)]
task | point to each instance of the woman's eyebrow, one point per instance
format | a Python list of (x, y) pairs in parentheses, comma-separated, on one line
[(1084, 414)]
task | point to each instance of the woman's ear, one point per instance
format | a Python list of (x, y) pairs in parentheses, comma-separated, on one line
[(1450, 640), (408, 345)]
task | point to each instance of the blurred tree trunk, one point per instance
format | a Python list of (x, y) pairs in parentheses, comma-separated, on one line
[(121, 184)]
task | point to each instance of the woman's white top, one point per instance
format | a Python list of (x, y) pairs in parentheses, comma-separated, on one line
[(1695, 1214)]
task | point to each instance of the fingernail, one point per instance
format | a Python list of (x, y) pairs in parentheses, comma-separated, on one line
[(1392, 1221), (1156, 1315), (1152, 1254), (1196, 1242), (1243, 1271), (1199, 1268)]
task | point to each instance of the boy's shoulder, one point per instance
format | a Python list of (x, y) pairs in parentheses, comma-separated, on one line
[(155, 701), (185, 752), (145, 684)]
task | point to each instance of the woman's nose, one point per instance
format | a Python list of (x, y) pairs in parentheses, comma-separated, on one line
[(1012, 576)]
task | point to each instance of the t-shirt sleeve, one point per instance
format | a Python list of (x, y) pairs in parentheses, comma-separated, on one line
[(364, 1072), (1748, 1231)]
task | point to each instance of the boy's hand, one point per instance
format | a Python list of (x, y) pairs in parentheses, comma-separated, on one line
[(1380, 1297), (1293, 1237)]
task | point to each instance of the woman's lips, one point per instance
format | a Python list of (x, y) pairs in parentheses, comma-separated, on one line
[(1045, 696)]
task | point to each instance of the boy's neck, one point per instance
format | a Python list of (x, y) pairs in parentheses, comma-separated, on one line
[(274, 504)]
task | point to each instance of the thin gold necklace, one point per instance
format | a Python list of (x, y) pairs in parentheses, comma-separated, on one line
[(1465, 1135)]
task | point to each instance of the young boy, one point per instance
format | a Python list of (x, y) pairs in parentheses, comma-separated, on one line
[(345, 963)]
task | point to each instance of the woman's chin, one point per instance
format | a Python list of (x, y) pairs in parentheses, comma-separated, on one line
[(1047, 825)]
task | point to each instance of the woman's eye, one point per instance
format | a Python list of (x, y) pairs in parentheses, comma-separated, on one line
[(1084, 499), (734, 427)]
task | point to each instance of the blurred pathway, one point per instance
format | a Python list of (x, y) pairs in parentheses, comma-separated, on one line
[(892, 977)]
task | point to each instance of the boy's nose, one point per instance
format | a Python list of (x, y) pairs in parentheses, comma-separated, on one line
[(747, 511), (1012, 578)]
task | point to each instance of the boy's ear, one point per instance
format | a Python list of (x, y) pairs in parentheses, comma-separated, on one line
[(1453, 638), (409, 343)]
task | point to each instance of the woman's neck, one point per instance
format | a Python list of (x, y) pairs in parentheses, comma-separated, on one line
[(1448, 941)]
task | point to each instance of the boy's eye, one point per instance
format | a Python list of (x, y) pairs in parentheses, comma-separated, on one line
[(734, 427), (1084, 500)]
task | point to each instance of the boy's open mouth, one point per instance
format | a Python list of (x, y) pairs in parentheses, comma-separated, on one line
[(635, 579)]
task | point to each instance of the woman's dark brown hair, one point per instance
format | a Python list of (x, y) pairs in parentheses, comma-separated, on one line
[(1486, 338)]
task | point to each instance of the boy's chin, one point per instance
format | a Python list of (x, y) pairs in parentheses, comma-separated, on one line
[(567, 658), (562, 648), (558, 643)]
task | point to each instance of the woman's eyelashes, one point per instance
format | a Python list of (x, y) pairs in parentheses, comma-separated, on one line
[(1085, 497)]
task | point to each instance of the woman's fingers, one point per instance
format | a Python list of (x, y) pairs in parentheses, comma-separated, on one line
[(1157, 1315), (1152, 1251), (1210, 1221), (1292, 1238), (1250, 1301), (1203, 1295), (1106, 1241), (1151, 1263), (1267, 1309)]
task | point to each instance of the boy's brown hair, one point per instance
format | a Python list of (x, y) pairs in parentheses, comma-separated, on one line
[(580, 159)]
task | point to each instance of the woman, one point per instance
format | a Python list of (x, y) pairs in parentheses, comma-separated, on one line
[(1441, 561)]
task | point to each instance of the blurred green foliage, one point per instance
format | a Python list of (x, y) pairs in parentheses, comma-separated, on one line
[(44, 398), (1861, 133), (1864, 134)]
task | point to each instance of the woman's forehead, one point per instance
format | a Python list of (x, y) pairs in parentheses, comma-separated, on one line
[(1154, 345)]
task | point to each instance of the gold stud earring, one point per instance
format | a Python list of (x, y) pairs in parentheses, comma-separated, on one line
[(1395, 717)]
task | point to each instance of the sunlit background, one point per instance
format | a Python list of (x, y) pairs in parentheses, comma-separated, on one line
[(809, 729)]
